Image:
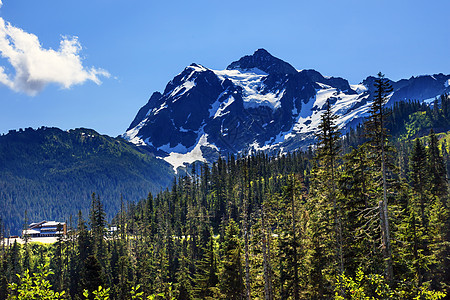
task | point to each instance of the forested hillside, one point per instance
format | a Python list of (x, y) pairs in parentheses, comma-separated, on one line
[(50, 174), (407, 120), (336, 222)]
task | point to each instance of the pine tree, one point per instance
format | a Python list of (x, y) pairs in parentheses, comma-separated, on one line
[(328, 150), (325, 239), (232, 283), (267, 265), (360, 212), (97, 222), (206, 277), (377, 135), (57, 264), (3, 287), (26, 264), (245, 194), (436, 167), (84, 250), (291, 226), (13, 263), (419, 175), (183, 277), (92, 276), (321, 240), (125, 277), (439, 215), (439, 271), (83, 239)]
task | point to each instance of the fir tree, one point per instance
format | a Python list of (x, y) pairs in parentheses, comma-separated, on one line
[(183, 277), (97, 222), (328, 150), (206, 277), (436, 167), (419, 175), (3, 287), (92, 276), (232, 283), (13, 263), (377, 135), (360, 212)]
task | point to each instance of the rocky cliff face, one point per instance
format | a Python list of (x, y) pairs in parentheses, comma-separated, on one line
[(259, 102)]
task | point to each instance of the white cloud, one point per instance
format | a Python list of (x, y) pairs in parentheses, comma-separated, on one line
[(36, 67)]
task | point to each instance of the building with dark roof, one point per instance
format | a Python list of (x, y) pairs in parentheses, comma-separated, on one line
[(45, 229)]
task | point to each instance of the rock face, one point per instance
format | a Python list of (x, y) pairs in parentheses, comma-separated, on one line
[(259, 102), (264, 61)]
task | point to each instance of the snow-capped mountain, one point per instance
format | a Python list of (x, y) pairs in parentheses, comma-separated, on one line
[(259, 102)]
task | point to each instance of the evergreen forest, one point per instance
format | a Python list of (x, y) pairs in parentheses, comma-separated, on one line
[(361, 215), (51, 173)]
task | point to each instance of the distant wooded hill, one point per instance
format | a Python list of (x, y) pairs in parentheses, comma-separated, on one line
[(51, 174)]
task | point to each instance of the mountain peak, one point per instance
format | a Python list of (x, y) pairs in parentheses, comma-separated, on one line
[(262, 52), (264, 61)]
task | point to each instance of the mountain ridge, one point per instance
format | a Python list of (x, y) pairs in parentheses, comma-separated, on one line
[(258, 102)]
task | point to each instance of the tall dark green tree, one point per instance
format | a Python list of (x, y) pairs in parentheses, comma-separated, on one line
[(232, 282), (183, 277), (289, 241), (361, 232), (439, 214), (3, 287), (420, 175), (97, 222), (26, 249), (328, 150), (436, 167), (206, 277), (58, 264), (13, 262), (321, 248), (378, 139), (418, 209), (83, 250), (92, 275)]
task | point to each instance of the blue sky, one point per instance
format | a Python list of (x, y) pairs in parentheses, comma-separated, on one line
[(127, 49)]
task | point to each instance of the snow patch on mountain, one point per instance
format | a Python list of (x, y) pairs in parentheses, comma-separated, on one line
[(271, 144), (322, 95), (342, 104), (188, 81), (180, 148), (182, 158), (362, 111), (218, 109), (306, 120), (359, 88), (182, 89), (429, 100), (255, 146), (133, 137), (447, 83), (305, 117), (155, 111), (195, 68), (253, 87)]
